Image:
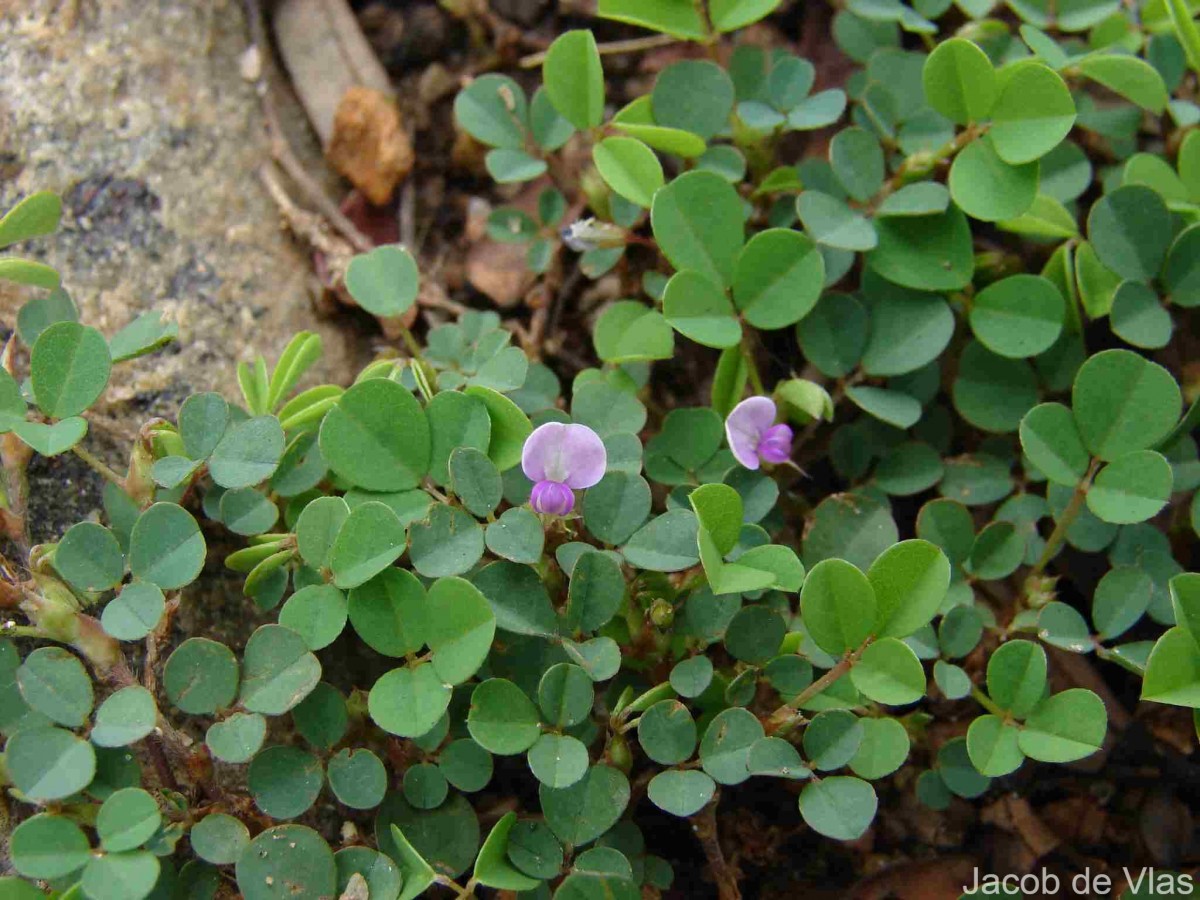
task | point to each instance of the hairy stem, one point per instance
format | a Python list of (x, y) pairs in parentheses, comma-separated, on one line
[(786, 715), (704, 825), (99, 466), (1068, 517)]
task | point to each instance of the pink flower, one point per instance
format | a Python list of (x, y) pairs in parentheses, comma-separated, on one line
[(561, 459), (753, 435)]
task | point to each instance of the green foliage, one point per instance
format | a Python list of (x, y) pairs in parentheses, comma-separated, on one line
[(981, 220)]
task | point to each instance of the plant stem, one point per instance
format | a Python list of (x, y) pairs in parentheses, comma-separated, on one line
[(783, 718), (1185, 30), (986, 702), (704, 825), (1068, 517), (100, 466), (756, 381)]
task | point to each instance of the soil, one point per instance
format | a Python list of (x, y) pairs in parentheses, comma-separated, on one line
[(138, 113)]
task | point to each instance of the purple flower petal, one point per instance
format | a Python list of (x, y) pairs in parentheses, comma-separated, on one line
[(572, 455), (776, 444), (745, 426), (552, 498)]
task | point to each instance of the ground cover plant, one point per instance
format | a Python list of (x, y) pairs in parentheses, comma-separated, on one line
[(487, 596)]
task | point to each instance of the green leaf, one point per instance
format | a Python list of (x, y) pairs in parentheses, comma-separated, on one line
[(831, 222), (777, 278), (681, 792), (518, 598), (166, 547), (1123, 402), (510, 426), (627, 331), (587, 809), (384, 281), (1032, 114), (841, 807), (1018, 316), (291, 858), (693, 95), (1121, 598), (857, 161), (51, 440), (998, 551), (125, 717), (508, 166), (925, 198), (89, 557), (493, 110), (1134, 79), (369, 541), (47, 763), (35, 215), (1050, 438), (959, 81), (377, 436), (201, 676), (730, 15), (932, 253), (1139, 318), (54, 683), (697, 222), (145, 334), (285, 781), (1131, 488), (68, 369), (238, 738), (698, 309), (127, 819), (992, 744), (246, 511), (894, 407), (449, 542), (883, 750), (219, 839), (317, 613), (278, 671), (517, 535), (1130, 230), (838, 605), (755, 634), (408, 701), (909, 581), (853, 527), (1181, 275), (558, 761), (667, 16), (318, 527), (985, 187), (121, 876), (993, 392), (596, 591), (1065, 727), (459, 628), (889, 672), (502, 720), (48, 846), (492, 867), (202, 421), (1016, 676), (476, 481), (248, 453), (630, 168), (357, 778), (574, 79), (666, 543), (25, 271), (1173, 670)]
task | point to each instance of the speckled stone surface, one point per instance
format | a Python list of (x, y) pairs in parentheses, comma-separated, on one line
[(137, 113)]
